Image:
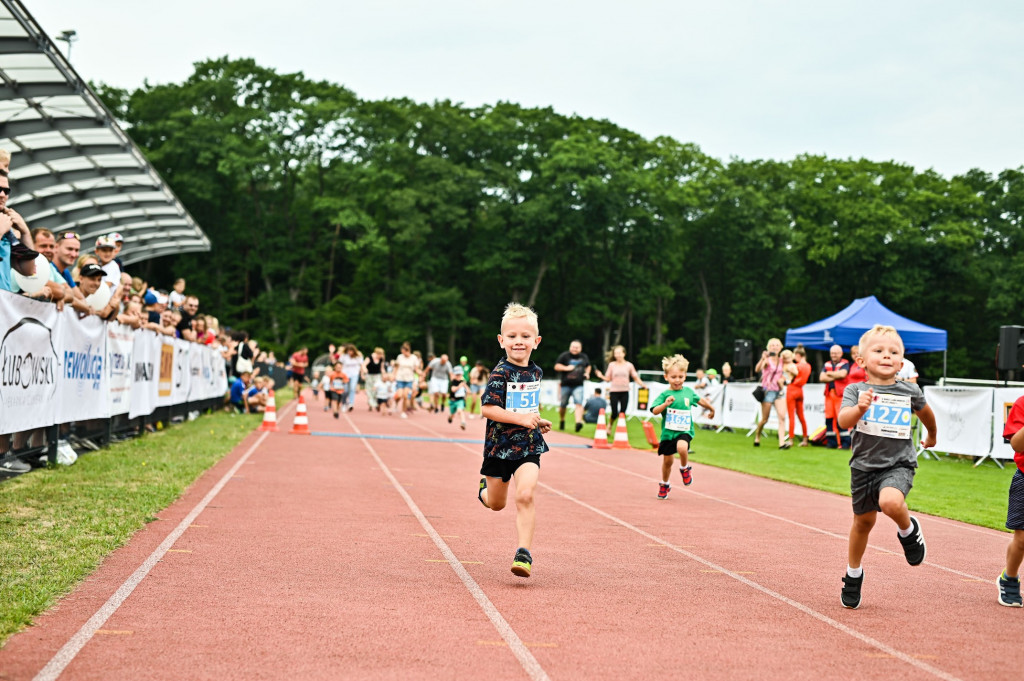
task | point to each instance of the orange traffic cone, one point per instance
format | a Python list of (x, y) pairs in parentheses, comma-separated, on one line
[(652, 437), (601, 433), (270, 415), (621, 436), (301, 424)]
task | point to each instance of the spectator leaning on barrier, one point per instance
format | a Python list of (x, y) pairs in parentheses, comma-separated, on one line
[(23, 261), (118, 245), (176, 296), (46, 243), (91, 277), (66, 254), (188, 311), (105, 254)]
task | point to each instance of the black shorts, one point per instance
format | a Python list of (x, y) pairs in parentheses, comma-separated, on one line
[(494, 467), (866, 485), (669, 447), (333, 396), (1015, 507)]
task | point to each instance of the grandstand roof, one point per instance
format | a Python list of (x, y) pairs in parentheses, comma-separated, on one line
[(73, 168)]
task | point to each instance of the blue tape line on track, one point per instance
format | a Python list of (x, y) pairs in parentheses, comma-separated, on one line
[(425, 439)]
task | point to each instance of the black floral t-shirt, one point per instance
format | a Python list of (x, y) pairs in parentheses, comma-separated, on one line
[(515, 389)]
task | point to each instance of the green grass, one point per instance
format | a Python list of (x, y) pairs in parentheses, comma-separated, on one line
[(951, 487), (57, 524)]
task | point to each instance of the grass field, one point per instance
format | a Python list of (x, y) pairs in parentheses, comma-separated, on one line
[(951, 487)]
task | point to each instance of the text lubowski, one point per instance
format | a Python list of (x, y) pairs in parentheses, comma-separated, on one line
[(27, 370)]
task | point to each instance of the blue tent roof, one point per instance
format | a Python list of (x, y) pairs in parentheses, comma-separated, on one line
[(846, 327)]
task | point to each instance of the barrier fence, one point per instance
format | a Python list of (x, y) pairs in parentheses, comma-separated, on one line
[(57, 368), (970, 420)]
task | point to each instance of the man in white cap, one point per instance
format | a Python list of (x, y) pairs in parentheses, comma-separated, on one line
[(118, 243), (105, 254)]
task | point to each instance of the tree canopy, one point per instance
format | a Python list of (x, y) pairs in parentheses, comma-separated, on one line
[(338, 219)]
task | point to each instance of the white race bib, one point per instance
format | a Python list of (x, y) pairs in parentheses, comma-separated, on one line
[(523, 398), (337, 384), (678, 420), (888, 416)]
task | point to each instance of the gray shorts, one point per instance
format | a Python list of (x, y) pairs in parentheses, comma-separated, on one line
[(865, 486), (575, 392)]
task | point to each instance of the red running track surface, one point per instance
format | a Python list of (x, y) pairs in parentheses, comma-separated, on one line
[(320, 557)]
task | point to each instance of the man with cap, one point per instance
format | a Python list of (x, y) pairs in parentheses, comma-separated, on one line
[(90, 278), (118, 243), (105, 254)]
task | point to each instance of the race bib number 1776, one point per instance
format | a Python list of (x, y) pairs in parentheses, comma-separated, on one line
[(523, 398), (888, 416)]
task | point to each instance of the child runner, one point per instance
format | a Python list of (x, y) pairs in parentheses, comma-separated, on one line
[(457, 397), (883, 457), (514, 440), (676, 422), (339, 382), (1009, 581), (385, 390)]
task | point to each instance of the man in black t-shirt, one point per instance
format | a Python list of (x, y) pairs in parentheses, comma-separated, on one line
[(188, 313), (574, 367)]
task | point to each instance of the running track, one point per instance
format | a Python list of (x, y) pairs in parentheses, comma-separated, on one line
[(327, 557)]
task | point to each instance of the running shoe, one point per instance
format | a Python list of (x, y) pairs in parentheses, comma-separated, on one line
[(1009, 591), (851, 590), (579, 427), (522, 563), (480, 494), (913, 544), (687, 474), (663, 489)]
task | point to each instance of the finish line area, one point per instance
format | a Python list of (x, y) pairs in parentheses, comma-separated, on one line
[(356, 555)]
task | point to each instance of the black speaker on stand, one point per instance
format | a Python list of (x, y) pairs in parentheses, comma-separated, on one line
[(743, 355), (1010, 356)]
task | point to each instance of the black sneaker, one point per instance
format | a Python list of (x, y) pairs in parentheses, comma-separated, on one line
[(851, 590), (579, 427), (913, 544), (561, 425), (522, 563), (480, 494), (1009, 591)]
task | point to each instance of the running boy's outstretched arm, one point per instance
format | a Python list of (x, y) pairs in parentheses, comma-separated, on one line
[(927, 417), (502, 415), (708, 406)]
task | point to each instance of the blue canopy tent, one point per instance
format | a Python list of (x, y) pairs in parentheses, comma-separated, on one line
[(846, 327)]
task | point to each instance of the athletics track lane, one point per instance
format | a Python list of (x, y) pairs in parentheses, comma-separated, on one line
[(309, 564)]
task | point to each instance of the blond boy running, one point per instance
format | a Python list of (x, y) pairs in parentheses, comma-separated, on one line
[(675, 406), (883, 461), (514, 441)]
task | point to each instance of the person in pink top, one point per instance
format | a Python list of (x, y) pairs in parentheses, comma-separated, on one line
[(773, 380), (618, 374)]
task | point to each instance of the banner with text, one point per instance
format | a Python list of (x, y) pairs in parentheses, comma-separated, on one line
[(964, 419), (82, 383), (146, 365), (120, 345), (29, 363)]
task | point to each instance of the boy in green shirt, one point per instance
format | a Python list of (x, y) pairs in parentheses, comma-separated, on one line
[(674, 405)]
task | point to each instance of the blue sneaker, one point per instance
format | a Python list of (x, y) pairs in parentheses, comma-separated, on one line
[(1009, 591)]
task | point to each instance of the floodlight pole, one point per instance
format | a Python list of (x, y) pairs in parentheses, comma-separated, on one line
[(68, 37)]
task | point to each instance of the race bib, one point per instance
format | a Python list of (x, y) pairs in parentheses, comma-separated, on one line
[(888, 416), (337, 384), (523, 398), (678, 420)]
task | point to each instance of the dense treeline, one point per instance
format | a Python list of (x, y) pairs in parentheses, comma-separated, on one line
[(338, 219)]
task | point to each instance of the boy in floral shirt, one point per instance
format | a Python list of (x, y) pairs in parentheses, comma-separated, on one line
[(514, 437)]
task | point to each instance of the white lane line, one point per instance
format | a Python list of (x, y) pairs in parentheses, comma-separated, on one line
[(864, 638), (504, 629), (924, 666), (797, 523), (67, 653)]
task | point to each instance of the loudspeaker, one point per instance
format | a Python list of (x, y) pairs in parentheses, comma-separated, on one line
[(1011, 348), (743, 353)]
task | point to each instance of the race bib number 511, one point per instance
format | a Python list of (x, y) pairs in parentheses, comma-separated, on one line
[(888, 416), (523, 398)]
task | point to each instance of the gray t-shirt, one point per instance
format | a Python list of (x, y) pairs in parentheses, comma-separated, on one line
[(438, 370), (882, 437)]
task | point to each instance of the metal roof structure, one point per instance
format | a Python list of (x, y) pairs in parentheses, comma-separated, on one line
[(73, 168)]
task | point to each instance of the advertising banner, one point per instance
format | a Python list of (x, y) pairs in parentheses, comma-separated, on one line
[(165, 377), (146, 365), (82, 383), (182, 376), (964, 417), (1004, 399), (120, 371), (29, 363)]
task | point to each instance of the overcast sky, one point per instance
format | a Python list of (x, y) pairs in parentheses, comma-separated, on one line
[(936, 84)]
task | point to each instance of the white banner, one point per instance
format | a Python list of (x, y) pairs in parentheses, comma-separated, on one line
[(146, 361), (196, 361), (715, 394), (1004, 399), (964, 419), (182, 371), (29, 362), (82, 381), (120, 345)]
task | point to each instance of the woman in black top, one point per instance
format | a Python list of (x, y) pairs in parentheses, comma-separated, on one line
[(373, 366)]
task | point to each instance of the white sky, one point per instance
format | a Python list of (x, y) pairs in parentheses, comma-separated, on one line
[(936, 84)]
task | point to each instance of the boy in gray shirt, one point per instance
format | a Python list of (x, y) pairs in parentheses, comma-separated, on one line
[(883, 461)]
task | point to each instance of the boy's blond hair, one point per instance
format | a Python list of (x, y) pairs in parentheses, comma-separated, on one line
[(786, 355), (881, 330), (517, 311), (673, 362), (5, 157)]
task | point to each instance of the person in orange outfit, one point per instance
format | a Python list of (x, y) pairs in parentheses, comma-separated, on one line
[(834, 375), (795, 393)]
